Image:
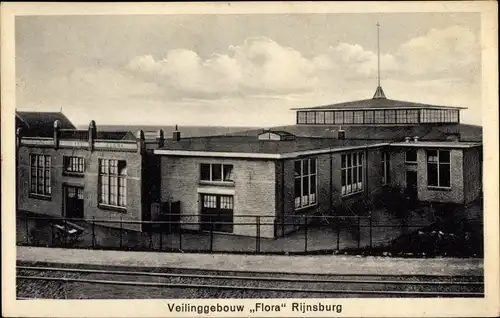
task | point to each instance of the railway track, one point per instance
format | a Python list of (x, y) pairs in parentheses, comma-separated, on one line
[(99, 282)]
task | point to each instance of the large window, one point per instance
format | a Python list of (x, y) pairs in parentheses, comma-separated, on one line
[(74, 165), (329, 117), (358, 117), (40, 183), (311, 117), (401, 116), (379, 117), (412, 116), (216, 172), (305, 183), (351, 173), (348, 117), (339, 117), (301, 117), (390, 116), (113, 182), (386, 168), (438, 168), (320, 117), (368, 116)]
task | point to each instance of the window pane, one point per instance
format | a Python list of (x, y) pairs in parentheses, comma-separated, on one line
[(301, 117), (216, 172), (444, 156), (298, 171), (348, 117), (313, 184), (358, 117), (368, 117), (339, 117), (432, 156), (432, 174), (228, 172), (444, 175), (329, 118), (305, 184), (379, 117), (313, 166), (320, 117), (205, 172), (343, 161), (305, 167), (311, 116)]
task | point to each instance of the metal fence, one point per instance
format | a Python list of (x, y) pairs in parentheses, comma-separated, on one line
[(249, 233)]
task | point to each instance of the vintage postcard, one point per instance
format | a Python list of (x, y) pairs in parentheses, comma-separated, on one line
[(280, 159)]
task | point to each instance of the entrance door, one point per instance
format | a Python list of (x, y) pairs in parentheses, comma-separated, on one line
[(74, 202), (217, 209), (411, 186)]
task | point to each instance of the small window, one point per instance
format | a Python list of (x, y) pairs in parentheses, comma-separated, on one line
[(411, 156), (74, 165)]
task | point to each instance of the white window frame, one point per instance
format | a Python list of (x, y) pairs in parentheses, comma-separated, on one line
[(115, 183), (356, 186), (309, 199), (386, 161), (406, 158), (45, 179), (69, 164), (222, 180), (438, 164)]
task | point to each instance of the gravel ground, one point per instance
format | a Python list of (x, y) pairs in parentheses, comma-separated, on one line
[(61, 290)]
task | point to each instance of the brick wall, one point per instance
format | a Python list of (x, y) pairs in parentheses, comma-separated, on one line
[(55, 205), (254, 190), (472, 174), (453, 195)]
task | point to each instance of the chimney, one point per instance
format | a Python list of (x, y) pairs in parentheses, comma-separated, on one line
[(176, 135), (416, 138), (160, 139), (57, 127), (140, 141), (407, 139), (341, 133), (92, 134)]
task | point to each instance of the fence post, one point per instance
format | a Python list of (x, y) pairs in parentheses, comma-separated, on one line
[(371, 232), (93, 231), (121, 231), (257, 241), (27, 231), (338, 234), (359, 233), (211, 236), (161, 237), (305, 233), (180, 235)]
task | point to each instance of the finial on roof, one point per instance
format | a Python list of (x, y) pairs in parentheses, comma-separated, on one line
[(379, 93)]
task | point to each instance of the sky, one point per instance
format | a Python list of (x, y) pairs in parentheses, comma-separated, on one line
[(241, 70)]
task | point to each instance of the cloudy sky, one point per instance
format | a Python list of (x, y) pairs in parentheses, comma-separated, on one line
[(240, 70)]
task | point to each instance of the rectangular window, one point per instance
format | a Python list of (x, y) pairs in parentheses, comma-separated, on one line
[(216, 172), (311, 117), (438, 168), (40, 180), (351, 173), (386, 168), (348, 117), (74, 164), (358, 117), (411, 156), (390, 116), (305, 183), (329, 118), (368, 116), (339, 117), (320, 117), (401, 116), (113, 182), (412, 116), (379, 117), (301, 117)]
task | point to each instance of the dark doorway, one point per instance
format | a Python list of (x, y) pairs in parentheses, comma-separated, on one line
[(217, 212), (74, 202), (411, 187)]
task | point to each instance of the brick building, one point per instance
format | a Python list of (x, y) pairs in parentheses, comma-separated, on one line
[(336, 156), (85, 173), (336, 160)]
